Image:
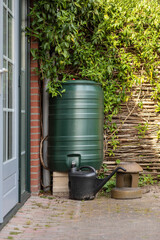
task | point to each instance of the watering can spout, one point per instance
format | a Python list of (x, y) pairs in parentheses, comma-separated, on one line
[(101, 182)]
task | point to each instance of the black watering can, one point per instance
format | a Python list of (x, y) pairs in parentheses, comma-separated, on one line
[(83, 185)]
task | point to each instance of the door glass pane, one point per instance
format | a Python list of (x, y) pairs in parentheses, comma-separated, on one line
[(10, 85), (4, 136), (10, 4), (9, 135), (5, 1), (9, 36), (4, 31), (4, 86)]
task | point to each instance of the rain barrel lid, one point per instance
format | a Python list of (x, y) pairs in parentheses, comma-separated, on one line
[(82, 82)]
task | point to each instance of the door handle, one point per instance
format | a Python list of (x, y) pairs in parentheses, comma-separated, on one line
[(3, 70)]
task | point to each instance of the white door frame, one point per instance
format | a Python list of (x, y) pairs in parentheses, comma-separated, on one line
[(1, 119), (3, 165)]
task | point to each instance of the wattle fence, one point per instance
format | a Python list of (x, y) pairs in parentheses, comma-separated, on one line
[(138, 125)]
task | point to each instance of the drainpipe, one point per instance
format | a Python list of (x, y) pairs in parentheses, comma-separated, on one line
[(46, 173)]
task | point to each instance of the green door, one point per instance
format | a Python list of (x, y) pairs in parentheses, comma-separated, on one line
[(24, 103)]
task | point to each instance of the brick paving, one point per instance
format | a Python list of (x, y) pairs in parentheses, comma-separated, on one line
[(102, 218)]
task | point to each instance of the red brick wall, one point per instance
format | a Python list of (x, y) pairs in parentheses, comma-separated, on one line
[(35, 129)]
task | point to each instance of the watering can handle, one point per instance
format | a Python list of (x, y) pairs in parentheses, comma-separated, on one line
[(91, 168)]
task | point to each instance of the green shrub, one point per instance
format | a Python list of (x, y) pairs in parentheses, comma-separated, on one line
[(146, 179), (114, 42)]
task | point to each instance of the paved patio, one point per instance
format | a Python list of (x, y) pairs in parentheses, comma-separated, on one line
[(102, 218)]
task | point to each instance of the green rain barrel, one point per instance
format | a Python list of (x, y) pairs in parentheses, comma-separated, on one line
[(76, 126)]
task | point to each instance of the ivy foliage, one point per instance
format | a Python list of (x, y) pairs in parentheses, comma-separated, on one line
[(114, 42)]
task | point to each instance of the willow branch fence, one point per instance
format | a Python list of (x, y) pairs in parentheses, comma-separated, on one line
[(143, 149)]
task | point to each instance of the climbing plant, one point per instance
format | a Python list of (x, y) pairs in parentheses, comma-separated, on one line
[(113, 42)]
